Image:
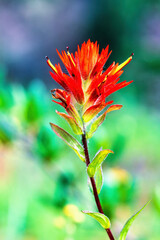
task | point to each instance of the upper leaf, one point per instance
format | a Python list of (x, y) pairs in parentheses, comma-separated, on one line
[(69, 140), (97, 161), (101, 118), (101, 218), (72, 122), (96, 124), (127, 225)]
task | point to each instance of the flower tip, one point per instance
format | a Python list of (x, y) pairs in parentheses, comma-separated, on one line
[(132, 54), (47, 57), (110, 151), (67, 49), (52, 91)]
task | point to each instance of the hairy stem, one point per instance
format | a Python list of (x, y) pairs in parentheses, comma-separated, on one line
[(99, 206)]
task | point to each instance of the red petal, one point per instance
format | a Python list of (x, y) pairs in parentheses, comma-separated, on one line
[(86, 58), (101, 61), (116, 87)]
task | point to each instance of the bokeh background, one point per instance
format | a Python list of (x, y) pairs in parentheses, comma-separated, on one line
[(43, 185)]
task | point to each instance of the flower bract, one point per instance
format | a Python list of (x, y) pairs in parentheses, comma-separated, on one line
[(87, 85)]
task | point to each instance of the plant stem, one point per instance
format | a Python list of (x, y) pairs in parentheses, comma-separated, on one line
[(99, 206)]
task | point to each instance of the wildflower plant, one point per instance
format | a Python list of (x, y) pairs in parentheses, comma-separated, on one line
[(84, 98)]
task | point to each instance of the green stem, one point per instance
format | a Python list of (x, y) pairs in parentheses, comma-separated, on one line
[(99, 206)]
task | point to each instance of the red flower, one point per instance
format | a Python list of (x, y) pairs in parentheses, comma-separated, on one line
[(87, 86)]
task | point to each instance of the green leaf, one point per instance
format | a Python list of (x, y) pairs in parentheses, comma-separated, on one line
[(99, 179), (127, 225), (101, 218), (72, 122), (100, 119), (69, 140), (97, 122), (97, 161)]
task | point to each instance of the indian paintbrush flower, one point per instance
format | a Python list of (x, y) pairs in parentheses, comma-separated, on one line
[(84, 95), (86, 86)]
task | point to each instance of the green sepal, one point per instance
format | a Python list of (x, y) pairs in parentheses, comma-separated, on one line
[(100, 217), (97, 161), (129, 222), (72, 122), (97, 122), (69, 140)]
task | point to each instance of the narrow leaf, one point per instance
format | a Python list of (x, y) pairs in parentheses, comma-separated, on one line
[(99, 179), (97, 161), (127, 225), (101, 218), (96, 124), (69, 140), (72, 122)]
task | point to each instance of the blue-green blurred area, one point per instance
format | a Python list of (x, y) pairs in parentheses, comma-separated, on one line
[(43, 184)]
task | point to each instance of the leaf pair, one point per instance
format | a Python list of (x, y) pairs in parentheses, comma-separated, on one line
[(97, 122), (105, 222), (95, 167), (97, 161)]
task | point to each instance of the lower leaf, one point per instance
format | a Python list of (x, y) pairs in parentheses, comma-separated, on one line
[(127, 225), (100, 217)]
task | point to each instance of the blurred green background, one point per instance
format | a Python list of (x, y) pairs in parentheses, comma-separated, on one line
[(43, 184)]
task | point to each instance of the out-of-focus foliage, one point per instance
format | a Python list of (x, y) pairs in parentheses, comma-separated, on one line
[(40, 176), (43, 185)]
